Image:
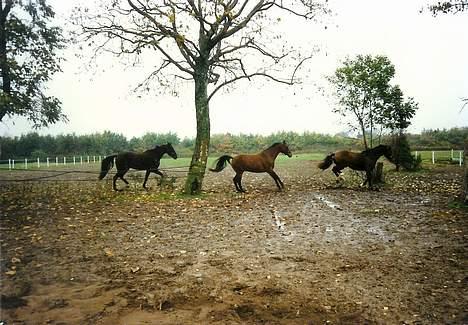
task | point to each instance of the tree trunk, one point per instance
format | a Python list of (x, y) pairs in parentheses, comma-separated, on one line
[(6, 83), (396, 151), (364, 138), (465, 165), (377, 176), (193, 184)]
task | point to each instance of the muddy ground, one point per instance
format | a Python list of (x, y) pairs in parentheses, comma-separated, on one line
[(79, 253)]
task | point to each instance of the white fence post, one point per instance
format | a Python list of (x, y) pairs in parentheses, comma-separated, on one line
[(13, 164), (56, 161), (433, 157), (64, 161), (81, 160), (9, 164), (25, 163), (460, 158), (47, 162), (74, 160), (88, 159), (94, 159), (38, 163)]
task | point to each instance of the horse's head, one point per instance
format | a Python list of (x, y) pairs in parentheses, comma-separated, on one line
[(170, 150), (283, 147)]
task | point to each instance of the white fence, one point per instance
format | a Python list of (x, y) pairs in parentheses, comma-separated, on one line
[(48, 162), (445, 155)]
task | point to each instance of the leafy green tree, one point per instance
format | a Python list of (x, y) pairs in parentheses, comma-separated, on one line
[(150, 139), (28, 59), (212, 43), (396, 115), (363, 91), (110, 142)]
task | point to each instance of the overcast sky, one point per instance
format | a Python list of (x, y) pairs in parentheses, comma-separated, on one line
[(429, 54)]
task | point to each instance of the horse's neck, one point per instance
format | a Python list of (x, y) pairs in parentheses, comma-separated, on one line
[(156, 153), (375, 155), (272, 152)]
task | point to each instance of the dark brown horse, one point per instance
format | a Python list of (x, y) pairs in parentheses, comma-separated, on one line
[(263, 162), (148, 160), (364, 161)]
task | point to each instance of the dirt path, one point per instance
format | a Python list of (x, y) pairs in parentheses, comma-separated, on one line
[(309, 255)]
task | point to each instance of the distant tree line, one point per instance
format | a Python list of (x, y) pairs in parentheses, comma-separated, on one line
[(33, 145)]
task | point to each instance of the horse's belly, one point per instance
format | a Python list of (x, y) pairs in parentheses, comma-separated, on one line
[(142, 163)]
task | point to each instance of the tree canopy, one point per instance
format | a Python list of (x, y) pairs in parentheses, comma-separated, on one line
[(364, 93), (28, 59)]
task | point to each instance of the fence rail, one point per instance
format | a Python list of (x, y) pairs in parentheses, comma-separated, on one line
[(28, 163), (455, 156)]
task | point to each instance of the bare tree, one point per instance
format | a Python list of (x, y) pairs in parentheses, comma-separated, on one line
[(213, 43), (451, 6)]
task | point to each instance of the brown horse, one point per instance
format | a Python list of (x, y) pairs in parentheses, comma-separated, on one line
[(364, 161), (258, 163), (148, 160)]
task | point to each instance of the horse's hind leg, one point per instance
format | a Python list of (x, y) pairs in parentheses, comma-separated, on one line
[(238, 182), (114, 180), (120, 174), (336, 170)]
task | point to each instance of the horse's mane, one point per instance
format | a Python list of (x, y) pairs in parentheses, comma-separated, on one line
[(274, 145)]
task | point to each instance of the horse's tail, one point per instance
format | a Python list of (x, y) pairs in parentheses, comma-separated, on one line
[(221, 163), (106, 164), (326, 162)]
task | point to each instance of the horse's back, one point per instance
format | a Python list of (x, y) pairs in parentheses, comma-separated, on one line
[(351, 159), (135, 160), (250, 163)]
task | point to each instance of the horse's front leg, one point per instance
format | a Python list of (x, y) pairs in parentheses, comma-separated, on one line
[(157, 171), (368, 180), (278, 181)]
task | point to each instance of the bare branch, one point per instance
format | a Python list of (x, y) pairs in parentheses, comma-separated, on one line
[(180, 40), (249, 76)]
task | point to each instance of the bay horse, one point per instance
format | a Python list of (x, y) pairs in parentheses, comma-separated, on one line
[(263, 162), (148, 160), (363, 161)]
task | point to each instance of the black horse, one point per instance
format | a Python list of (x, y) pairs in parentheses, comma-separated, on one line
[(364, 161), (148, 160)]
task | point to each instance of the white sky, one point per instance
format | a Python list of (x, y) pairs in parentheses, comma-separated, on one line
[(429, 53)]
